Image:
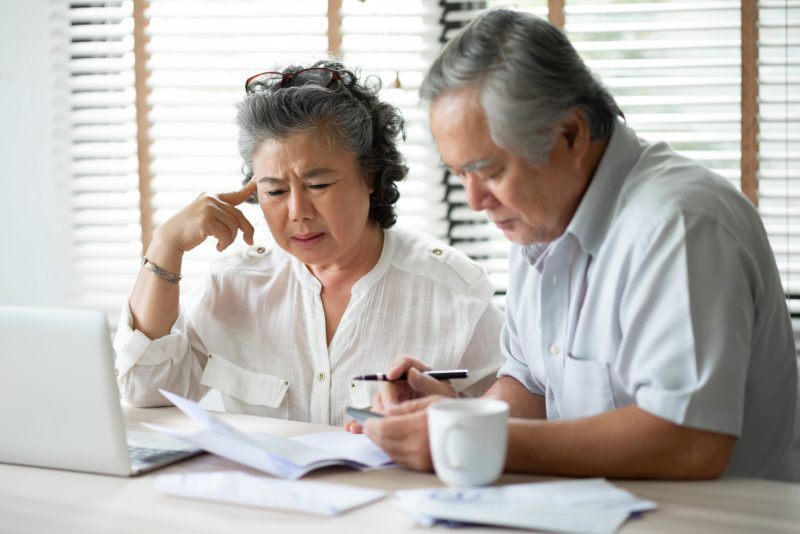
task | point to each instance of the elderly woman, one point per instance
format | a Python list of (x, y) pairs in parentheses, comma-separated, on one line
[(282, 330)]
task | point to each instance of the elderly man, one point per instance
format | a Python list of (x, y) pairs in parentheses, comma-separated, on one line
[(647, 333)]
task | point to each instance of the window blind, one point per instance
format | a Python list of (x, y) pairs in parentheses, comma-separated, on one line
[(779, 139), (99, 133), (396, 42), (675, 69)]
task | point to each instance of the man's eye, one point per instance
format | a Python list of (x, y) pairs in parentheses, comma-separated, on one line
[(318, 186), (275, 193), (491, 175)]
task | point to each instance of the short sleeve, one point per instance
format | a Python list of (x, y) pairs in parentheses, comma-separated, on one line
[(687, 314)]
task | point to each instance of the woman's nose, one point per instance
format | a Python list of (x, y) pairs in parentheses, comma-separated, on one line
[(299, 206)]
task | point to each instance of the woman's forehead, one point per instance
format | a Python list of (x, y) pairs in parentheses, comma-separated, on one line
[(301, 155)]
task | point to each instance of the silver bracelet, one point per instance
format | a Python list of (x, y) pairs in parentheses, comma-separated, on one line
[(161, 273)]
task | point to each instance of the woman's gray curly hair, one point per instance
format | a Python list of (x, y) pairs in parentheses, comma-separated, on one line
[(347, 112)]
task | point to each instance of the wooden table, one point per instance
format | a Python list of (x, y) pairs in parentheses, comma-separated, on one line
[(52, 501)]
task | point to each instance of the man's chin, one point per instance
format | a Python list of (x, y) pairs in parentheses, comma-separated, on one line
[(520, 238), (517, 237)]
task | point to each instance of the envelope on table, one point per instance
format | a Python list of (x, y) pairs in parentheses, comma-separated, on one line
[(289, 458), (587, 505), (233, 487)]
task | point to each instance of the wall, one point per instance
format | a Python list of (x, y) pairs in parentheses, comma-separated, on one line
[(31, 211)]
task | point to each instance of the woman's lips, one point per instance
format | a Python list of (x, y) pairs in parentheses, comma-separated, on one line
[(308, 239)]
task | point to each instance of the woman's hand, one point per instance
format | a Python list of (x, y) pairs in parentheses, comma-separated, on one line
[(154, 303), (207, 216)]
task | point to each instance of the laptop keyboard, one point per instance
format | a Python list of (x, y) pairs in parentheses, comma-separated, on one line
[(146, 456)]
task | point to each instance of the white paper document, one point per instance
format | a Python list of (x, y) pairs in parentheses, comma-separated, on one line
[(240, 488), (588, 506), (289, 458)]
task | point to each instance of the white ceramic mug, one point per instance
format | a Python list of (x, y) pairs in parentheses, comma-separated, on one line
[(468, 440)]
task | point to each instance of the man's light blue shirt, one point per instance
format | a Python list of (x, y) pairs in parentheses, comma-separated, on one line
[(663, 292)]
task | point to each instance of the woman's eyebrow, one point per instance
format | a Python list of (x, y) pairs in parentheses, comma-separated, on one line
[(314, 172), (270, 179)]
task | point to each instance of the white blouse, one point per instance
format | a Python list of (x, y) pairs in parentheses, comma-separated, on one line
[(255, 331)]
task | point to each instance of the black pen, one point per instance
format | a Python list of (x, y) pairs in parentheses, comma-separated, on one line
[(438, 375)]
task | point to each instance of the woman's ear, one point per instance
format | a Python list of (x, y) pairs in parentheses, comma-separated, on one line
[(369, 179)]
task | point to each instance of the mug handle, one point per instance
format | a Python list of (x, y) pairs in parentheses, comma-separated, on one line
[(457, 462)]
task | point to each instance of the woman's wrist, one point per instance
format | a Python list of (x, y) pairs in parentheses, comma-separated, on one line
[(162, 253)]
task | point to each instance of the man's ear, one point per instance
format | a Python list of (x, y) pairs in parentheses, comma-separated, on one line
[(575, 131)]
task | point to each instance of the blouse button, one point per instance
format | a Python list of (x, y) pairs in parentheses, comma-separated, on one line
[(554, 350), (261, 250), (321, 376), (116, 372), (437, 252)]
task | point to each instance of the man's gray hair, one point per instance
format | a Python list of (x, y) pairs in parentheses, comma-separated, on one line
[(530, 79)]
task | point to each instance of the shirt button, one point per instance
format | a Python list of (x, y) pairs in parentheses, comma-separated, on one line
[(261, 250), (321, 377), (116, 372), (437, 252), (555, 280), (554, 350)]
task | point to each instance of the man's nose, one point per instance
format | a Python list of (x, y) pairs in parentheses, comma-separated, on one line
[(479, 197)]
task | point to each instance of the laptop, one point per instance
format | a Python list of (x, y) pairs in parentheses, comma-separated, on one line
[(59, 402)]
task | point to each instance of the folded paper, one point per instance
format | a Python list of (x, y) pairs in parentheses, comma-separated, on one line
[(289, 458)]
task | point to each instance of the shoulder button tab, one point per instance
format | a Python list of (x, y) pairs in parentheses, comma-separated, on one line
[(257, 251)]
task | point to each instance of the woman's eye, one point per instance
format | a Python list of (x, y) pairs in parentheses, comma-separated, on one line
[(318, 186), (275, 193)]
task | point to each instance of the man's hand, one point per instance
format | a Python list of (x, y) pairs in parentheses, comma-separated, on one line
[(403, 433), (416, 386)]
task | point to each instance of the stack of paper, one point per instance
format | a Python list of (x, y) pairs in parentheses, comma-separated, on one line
[(589, 506), (282, 457), (239, 488)]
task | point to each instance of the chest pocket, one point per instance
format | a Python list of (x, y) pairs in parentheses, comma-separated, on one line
[(251, 392), (586, 388), (361, 393)]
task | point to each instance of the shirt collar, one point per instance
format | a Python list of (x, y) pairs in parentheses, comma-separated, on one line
[(596, 209), (535, 254), (598, 205), (365, 282)]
